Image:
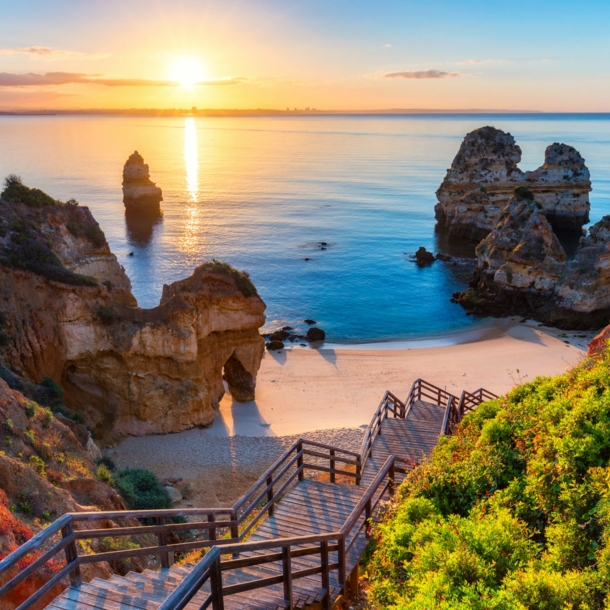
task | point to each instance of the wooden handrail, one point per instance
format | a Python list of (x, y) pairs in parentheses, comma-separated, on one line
[(289, 467)]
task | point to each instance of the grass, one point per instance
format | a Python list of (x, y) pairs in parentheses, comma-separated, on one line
[(16, 192), (513, 511), (242, 279)]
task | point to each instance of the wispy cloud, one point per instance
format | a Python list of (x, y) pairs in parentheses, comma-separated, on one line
[(422, 74), (50, 53), (470, 62), (387, 46), (33, 79)]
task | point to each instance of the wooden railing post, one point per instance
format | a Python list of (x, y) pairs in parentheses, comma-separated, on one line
[(270, 495), (234, 528), (392, 478), (287, 575), (300, 461), (358, 470), (332, 465), (167, 559), (341, 558), (368, 513), (325, 574), (71, 551), (216, 586), (212, 530)]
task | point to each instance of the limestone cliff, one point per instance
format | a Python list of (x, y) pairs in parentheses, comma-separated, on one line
[(140, 194), (128, 370), (481, 179), (523, 270)]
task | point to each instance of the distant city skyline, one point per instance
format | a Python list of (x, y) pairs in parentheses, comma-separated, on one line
[(328, 55)]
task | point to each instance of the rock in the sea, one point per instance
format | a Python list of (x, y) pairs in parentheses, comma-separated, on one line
[(309, 321), (279, 335), (140, 194), (484, 174), (523, 270), (315, 334), (275, 345), (423, 258), (128, 370)]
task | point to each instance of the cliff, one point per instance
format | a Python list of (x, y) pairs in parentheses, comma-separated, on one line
[(523, 270), (140, 194), (484, 173), (128, 370), (46, 470)]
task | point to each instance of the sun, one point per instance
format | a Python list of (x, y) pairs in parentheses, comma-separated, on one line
[(187, 72)]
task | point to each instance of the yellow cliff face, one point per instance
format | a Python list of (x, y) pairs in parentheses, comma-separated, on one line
[(128, 370)]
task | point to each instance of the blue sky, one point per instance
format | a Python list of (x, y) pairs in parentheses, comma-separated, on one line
[(535, 55)]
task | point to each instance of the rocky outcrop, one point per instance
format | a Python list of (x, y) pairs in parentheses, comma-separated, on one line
[(523, 270), (140, 194), (128, 370), (484, 173)]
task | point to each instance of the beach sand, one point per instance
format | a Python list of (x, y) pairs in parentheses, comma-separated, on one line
[(331, 393)]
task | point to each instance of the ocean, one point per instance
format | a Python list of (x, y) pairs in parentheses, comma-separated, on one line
[(352, 194)]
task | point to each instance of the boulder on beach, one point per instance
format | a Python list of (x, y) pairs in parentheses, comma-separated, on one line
[(315, 334), (275, 345)]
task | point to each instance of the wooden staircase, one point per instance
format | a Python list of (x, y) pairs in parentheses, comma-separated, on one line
[(290, 542)]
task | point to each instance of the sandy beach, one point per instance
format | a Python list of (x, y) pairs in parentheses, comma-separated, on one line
[(330, 394)]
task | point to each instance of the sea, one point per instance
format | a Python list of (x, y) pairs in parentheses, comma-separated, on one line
[(323, 212)]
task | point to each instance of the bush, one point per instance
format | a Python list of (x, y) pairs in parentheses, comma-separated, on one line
[(108, 462), (141, 490), (37, 464), (513, 511), (107, 314), (104, 475), (30, 409), (522, 192), (16, 192), (242, 279)]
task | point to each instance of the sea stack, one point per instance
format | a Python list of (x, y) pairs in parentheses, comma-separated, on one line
[(484, 173), (140, 194), (523, 270)]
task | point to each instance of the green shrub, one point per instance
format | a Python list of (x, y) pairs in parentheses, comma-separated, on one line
[(141, 490), (513, 511), (30, 408), (107, 314), (522, 192), (29, 436), (37, 464), (107, 462), (104, 475), (8, 426), (16, 192), (242, 279)]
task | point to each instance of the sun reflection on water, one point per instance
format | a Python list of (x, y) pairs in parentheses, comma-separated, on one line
[(191, 239)]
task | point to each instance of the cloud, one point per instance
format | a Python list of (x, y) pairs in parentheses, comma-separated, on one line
[(50, 53), (387, 46), (469, 62), (422, 74), (33, 79)]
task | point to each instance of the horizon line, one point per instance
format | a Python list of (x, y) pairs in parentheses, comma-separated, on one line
[(194, 111)]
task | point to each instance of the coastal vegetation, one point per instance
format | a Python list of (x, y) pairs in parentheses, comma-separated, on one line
[(513, 510), (24, 246)]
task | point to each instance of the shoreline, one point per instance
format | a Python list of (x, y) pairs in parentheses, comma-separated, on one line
[(331, 394)]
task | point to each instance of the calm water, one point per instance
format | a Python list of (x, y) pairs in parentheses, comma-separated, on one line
[(262, 193)]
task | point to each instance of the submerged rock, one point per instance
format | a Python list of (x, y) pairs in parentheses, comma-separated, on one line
[(140, 194), (484, 173), (523, 270)]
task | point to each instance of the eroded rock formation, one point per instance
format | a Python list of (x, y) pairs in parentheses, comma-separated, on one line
[(128, 370), (484, 173), (140, 194), (522, 269)]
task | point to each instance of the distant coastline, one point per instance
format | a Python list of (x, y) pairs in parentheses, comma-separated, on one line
[(172, 112)]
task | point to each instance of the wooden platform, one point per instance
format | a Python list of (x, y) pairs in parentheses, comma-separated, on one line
[(309, 507)]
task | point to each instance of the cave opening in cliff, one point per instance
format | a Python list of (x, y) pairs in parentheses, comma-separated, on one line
[(239, 381)]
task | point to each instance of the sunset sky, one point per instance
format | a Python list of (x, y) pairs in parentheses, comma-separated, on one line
[(327, 54)]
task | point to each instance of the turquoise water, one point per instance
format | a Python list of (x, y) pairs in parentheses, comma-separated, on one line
[(263, 192)]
